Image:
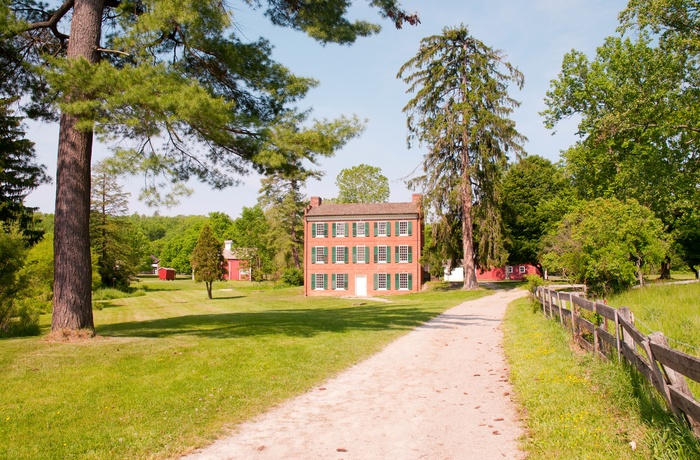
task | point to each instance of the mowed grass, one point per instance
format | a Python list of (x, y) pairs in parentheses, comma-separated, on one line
[(577, 406), (171, 371)]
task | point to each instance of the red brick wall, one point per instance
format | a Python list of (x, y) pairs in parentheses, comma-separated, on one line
[(368, 269)]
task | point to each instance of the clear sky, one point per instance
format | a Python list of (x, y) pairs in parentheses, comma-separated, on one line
[(361, 79)]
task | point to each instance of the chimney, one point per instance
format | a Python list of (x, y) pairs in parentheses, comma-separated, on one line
[(227, 245), (417, 199), (315, 201)]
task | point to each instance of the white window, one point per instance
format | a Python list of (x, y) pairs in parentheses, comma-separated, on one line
[(403, 228), (403, 280), (319, 282), (340, 229), (320, 255), (320, 229), (509, 269), (341, 281), (403, 253), (521, 269), (340, 254), (382, 281), (361, 251), (382, 253), (361, 229), (381, 228)]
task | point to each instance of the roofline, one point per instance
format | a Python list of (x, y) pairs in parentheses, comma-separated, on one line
[(362, 217)]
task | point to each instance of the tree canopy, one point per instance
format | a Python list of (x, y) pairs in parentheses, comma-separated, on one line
[(461, 113), (189, 97), (208, 260), (362, 184), (638, 102)]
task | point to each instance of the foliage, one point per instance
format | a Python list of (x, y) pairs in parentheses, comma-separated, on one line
[(362, 184), (460, 111), (187, 96), (188, 368), (606, 244), (532, 282), (208, 261), (293, 277), (292, 149), (638, 104), (38, 273), (180, 243), (12, 255), (253, 238), (119, 246), (19, 175), (535, 194)]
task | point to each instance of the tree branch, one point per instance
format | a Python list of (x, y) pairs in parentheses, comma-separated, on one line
[(53, 21)]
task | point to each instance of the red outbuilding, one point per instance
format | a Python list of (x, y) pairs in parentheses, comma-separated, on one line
[(166, 274)]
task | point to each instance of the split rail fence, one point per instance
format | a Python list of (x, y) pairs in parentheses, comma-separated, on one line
[(609, 332)]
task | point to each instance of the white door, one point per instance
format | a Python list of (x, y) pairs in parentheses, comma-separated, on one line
[(361, 285)]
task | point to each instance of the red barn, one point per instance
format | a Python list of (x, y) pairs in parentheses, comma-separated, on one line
[(236, 263)]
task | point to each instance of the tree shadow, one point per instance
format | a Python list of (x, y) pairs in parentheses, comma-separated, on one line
[(291, 322)]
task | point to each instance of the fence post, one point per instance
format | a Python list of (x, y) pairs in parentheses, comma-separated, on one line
[(573, 318), (561, 313), (675, 380), (626, 314), (618, 331)]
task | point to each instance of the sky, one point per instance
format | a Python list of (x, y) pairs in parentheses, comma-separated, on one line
[(360, 79)]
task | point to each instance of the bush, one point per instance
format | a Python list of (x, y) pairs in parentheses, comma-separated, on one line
[(533, 282), (293, 276)]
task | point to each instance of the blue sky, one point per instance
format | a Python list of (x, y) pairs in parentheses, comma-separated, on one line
[(361, 79)]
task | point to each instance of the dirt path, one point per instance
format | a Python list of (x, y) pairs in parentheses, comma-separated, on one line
[(439, 392)]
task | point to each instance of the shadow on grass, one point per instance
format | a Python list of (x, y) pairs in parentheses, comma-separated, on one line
[(292, 322)]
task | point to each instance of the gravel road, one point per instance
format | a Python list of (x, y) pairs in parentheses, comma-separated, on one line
[(439, 392)]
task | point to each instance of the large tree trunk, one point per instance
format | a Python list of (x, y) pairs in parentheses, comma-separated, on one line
[(665, 269), (467, 232), (72, 305)]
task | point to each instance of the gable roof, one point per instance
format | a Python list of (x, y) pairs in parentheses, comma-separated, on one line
[(363, 209)]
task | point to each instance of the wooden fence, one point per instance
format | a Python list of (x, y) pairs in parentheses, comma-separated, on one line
[(610, 332)]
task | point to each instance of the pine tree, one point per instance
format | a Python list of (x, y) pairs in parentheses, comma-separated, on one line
[(208, 260), (159, 70), (460, 112), (18, 175)]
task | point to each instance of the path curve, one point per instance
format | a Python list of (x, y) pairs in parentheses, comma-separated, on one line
[(438, 392)]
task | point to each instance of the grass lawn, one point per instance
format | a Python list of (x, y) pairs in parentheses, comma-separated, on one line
[(577, 406), (170, 370)]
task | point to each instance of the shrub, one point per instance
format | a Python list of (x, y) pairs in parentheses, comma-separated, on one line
[(293, 276), (533, 282)]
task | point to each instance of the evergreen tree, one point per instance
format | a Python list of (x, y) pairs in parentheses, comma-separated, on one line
[(19, 175), (120, 247), (208, 260), (160, 70), (460, 112)]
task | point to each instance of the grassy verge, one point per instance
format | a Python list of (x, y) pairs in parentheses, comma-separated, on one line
[(171, 370), (576, 406)]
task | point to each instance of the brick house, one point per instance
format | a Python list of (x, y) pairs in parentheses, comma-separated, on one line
[(362, 249)]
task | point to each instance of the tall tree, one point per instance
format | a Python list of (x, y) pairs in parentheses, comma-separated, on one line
[(535, 194), (460, 112), (118, 244), (638, 104), (254, 239), (208, 260), (362, 184), (19, 175), (159, 70)]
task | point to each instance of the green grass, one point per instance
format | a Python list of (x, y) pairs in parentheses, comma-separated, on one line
[(171, 370), (577, 406)]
